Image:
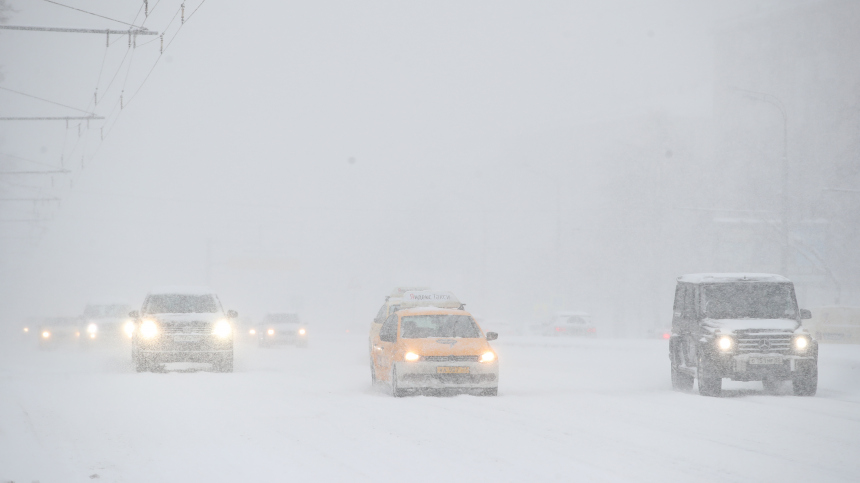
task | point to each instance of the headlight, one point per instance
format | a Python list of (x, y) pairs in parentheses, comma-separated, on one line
[(252, 331), (148, 329), (92, 328), (46, 334), (301, 331), (488, 357), (128, 328), (725, 343), (222, 329), (411, 357), (271, 331), (26, 329), (801, 343)]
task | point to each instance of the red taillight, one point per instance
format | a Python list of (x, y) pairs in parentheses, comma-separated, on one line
[(666, 336), (559, 329), (592, 330)]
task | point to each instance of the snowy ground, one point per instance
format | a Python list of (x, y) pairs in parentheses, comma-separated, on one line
[(596, 410)]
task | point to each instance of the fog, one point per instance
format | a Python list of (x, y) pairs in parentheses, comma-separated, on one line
[(530, 157)]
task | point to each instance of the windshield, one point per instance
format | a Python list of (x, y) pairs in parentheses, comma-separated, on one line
[(749, 301), (282, 319), (438, 325), (181, 304), (94, 311)]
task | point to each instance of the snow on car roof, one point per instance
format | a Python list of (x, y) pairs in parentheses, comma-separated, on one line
[(731, 277), (182, 289), (399, 291), (429, 298)]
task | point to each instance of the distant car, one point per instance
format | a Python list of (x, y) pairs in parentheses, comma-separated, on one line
[(56, 332), (182, 324), (835, 325), (282, 329), (392, 303), (567, 324), (106, 324), (664, 333)]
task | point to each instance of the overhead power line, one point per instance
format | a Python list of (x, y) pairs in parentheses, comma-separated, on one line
[(67, 118), (94, 14), (56, 171), (45, 100), (139, 31)]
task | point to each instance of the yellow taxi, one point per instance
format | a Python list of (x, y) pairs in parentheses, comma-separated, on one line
[(392, 303), (425, 349)]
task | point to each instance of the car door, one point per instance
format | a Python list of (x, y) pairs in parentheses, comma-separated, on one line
[(384, 349)]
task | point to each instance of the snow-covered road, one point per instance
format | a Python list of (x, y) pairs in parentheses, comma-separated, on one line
[(583, 410)]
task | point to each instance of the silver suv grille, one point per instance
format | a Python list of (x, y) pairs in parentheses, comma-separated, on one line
[(764, 343), (451, 358), (186, 328)]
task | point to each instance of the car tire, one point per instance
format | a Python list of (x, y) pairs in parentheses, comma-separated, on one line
[(805, 382), (681, 381), (225, 364), (141, 364), (771, 385), (710, 384), (396, 391)]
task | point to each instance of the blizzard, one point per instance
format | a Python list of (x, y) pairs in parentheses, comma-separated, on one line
[(567, 410)]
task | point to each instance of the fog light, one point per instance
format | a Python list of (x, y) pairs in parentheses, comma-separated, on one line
[(488, 357), (725, 343)]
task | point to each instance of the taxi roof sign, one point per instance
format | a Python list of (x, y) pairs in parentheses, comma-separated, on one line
[(399, 291), (430, 298)]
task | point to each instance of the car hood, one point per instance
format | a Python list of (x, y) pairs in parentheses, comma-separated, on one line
[(444, 346), (197, 317), (732, 325)]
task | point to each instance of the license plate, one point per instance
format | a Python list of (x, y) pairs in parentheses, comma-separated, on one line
[(765, 360), (187, 338), (452, 370)]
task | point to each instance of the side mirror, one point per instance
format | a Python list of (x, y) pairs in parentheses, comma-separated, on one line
[(492, 335), (134, 314), (805, 314), (232, 314)]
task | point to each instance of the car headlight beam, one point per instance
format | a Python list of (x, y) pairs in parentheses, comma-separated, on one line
[(92, 328), (801, 343), (488, 356), (725, 343), (411, 357), (46, 334), (148, 329), (302, 332), (222, 329)]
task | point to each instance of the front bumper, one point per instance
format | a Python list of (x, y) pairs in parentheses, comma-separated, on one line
[(425, 375), (189, 349), (749, 366)]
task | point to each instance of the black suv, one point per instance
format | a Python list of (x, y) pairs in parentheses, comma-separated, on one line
[(745, 327)]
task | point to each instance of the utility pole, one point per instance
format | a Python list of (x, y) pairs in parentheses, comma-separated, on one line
[(777, 103)]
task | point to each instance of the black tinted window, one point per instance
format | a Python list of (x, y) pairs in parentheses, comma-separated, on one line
[(438, 325), (749, 300)]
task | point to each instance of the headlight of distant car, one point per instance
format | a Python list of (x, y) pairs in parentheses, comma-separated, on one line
[(46, 334), (128, 328), (271, 331), (488, 357), (302, 332), (26, 329), (252, 331), (411, 357), (222, 329), (148, 329), (801, 343), (725, 343), (92, 328)]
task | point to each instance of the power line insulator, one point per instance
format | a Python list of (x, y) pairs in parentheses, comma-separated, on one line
[(146, 8), (96, 97), (135, 41), (183, 14), (161, 50), (120, 100), (129, 38)]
